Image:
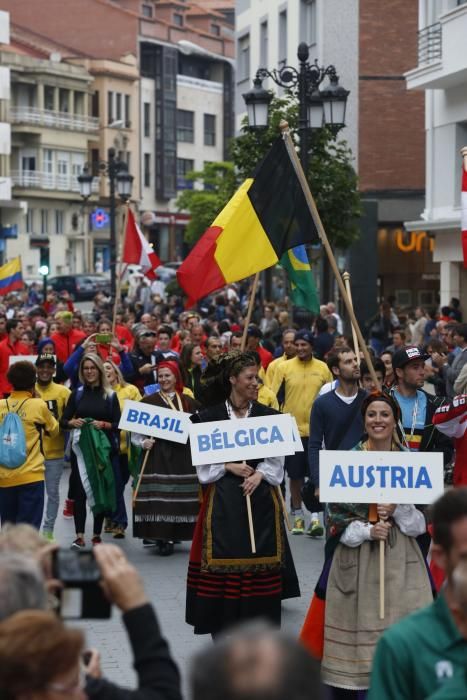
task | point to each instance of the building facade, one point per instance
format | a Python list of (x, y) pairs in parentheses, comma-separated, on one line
[(440, 73), (371, 44)]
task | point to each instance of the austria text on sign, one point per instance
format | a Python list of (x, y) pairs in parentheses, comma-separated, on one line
[(246, 438), (155, 421), (380, 477)]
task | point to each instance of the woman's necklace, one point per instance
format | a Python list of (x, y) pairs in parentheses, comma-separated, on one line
[(244, 412)]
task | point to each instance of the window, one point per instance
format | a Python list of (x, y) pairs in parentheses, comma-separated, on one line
[(110, 107), (184, 166), (209, 129), (178, 19), (59, 221), (44, 222), (95, 104), (215, 29), (308, 21), (146, 10), (185, 125), (263, 44), (126, 119), (118, 106), (49, 93), (243, 54), (63, 171), (283, 37), (48, 161), (147, 170), (147, 119), (30, 216)]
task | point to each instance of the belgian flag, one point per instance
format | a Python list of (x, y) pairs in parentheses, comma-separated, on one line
[(267, 216)]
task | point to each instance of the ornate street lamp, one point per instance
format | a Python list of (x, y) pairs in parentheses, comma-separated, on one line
[(120, 182)]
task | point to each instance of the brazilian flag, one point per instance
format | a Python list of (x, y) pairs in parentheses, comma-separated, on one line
[(302, 285)]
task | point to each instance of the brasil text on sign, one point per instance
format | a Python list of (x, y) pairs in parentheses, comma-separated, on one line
[(218, 442), (380, 477), (155, 421)]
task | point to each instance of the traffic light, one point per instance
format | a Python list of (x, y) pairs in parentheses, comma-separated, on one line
[(44, 260)]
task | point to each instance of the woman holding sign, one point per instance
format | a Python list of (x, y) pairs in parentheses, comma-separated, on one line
[(167, 503), (227, 582), (348, 590)]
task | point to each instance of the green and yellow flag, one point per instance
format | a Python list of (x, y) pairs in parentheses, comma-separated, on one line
[(303, 290)]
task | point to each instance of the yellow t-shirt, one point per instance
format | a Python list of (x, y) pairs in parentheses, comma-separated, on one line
[(131, 392), (271, 370), (33, 412), (302, 382), (267, 397), (56, 397)]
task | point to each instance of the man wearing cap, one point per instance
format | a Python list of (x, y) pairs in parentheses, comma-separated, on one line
[(417, 407), (296, 384), (254, 336), (143, 358), (53, 448)]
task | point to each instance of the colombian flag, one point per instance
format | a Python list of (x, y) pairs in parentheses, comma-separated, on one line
[(267, 216), (302, 285), (11, 277)]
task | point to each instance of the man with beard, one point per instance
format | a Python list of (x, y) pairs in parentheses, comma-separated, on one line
[(335, 421)]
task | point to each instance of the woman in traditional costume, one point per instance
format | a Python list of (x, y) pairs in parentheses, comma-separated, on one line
[(227, 583), (167, 503), (342, 625)]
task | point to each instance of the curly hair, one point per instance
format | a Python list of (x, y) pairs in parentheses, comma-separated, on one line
[(215, 385)]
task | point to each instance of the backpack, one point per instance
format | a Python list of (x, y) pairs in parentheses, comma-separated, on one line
[(12, 440)]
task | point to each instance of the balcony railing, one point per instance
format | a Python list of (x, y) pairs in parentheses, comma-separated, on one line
[(36, 179), (56, 120), (429, 43)]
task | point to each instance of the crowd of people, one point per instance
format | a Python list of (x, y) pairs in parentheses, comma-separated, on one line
[(66, 375)]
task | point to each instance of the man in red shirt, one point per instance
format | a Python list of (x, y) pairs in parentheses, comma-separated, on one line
[(254, 336), (12, 345), (66, 337)]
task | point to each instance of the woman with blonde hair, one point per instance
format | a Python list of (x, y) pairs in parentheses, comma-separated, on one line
[(93, 413), (124, 391), (40, 658)]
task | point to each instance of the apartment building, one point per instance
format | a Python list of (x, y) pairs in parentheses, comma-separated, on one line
[(371, 44), (440, 74)]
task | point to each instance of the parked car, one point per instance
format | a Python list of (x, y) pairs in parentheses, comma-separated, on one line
[(80, 287)]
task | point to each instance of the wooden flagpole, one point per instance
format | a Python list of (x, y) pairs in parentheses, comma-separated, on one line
[(251, 306), (143, 467), (346, 278), (325, 242), (118, 290)]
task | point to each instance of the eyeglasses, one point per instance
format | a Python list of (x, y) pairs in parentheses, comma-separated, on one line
[(69, 688)]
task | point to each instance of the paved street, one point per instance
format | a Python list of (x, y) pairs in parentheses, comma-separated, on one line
[(165, 582)]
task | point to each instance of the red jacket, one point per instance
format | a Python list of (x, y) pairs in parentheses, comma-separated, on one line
[(124, 335), (8, 349), (451, 419), (265, 356), (65, 343)]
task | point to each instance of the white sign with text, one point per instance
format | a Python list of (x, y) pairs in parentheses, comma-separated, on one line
[(155, 421), (380, 477), (240, 439)]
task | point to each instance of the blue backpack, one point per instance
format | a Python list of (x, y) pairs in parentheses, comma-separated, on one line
[(12, 440)]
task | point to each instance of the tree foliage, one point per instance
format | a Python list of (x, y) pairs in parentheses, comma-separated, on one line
[(332, 179)]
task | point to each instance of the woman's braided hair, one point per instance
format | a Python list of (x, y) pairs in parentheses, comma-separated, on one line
[(215, 386)]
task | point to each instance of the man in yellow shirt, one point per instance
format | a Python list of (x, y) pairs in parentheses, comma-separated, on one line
[(56, 397), (288, 346), (296, 384), (22, 489)]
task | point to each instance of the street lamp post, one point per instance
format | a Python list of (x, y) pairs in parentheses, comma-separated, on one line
[(318, 107), (121, 182)]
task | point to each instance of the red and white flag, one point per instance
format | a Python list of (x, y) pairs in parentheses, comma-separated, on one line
[(137, 250), (464, 210)]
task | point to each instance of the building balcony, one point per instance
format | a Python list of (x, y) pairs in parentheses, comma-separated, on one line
[(35, 179), (55, 120), (441, 65)]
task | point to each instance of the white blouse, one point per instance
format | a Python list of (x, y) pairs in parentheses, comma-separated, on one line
[(411, 522)]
